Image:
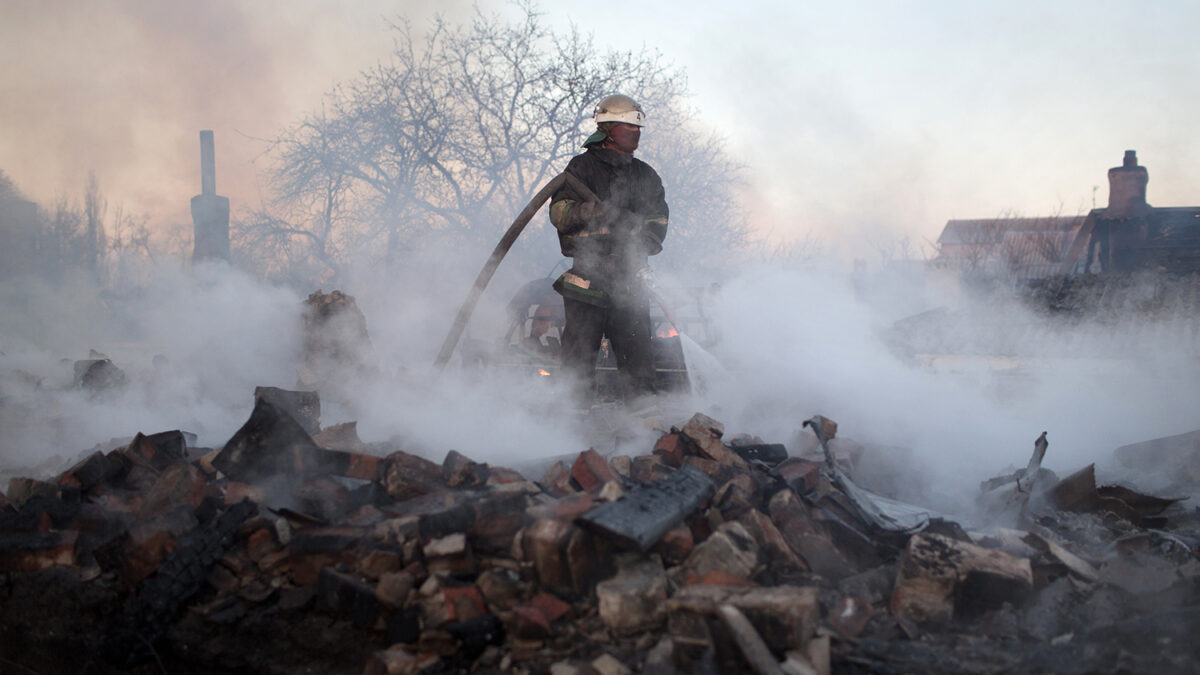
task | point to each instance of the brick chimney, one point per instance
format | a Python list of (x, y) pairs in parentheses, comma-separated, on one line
[(1127, 189), (210, 212)]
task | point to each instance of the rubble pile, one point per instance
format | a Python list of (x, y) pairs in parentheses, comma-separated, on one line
[(298, 549)]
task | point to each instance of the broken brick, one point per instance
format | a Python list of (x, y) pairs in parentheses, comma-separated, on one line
[(448, 554), (562, 555), (342, 436), (676, 545), (557, 480), (648, 468), (590, 470), (33, 551), (378, 563), (302, 406), (704, 434), (90, 471), (550, 605), (459, 471), (236, 492), (393, 588), (157, 451), (622, 465), (501, 589), (528, 623), (406, 476), (731, 549), (261, 543), (398, 660), (499, 475), (443, 602), (21, 490), (800, 474), (786, 617), (179, 484), (940, 577), (670, 448), (633, 600), (779, 556)]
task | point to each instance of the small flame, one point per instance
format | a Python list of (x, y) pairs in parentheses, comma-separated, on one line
[(543, 372), (667, 333)]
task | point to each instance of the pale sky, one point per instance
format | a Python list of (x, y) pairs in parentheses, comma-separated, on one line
[(856, 121)]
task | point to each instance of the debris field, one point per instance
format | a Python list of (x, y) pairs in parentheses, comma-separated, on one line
[(299, 549)]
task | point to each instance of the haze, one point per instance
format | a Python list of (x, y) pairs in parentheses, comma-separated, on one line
[(855, 122)]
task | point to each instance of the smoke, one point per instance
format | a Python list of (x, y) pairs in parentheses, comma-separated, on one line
[(122, 87), (793, 342), (804, 341)]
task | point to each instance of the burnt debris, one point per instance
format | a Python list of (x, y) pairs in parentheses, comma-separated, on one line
[(299, 549)]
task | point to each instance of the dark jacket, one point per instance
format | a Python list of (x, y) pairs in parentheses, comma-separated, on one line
[(612, 249)]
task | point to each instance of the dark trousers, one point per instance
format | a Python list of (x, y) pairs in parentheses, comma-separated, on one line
[(628, 330)]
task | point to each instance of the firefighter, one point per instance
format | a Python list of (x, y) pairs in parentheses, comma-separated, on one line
[(605, 292)]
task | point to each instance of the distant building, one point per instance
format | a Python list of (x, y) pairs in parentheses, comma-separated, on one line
[(1127, 235)]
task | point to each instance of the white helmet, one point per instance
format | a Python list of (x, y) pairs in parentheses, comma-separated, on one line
[(619, 108)]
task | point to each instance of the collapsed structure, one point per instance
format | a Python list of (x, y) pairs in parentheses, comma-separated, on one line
[(296, 548)]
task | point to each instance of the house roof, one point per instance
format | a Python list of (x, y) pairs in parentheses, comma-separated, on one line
[(994, 230)]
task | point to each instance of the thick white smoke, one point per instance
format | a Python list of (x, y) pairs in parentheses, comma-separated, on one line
[(793, 343)]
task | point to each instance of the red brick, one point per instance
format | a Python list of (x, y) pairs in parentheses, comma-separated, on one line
[(406, 476), (591, 470), (647, 468), (801, 475), (342, 436), (545, 546), (464, 602), (671, 449), (676, 545), (528, 623), (572, 506), (780, 557), (179, 484), (704, 436), (37, 551), (550, 605), (622, 465), (260, 543), (236, 492), (633, 601), (557, 480)]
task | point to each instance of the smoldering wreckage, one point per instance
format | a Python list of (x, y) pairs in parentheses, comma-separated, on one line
[(296, 548)]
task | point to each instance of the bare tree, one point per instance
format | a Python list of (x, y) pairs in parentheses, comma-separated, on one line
[(450, 138), (95, 207)]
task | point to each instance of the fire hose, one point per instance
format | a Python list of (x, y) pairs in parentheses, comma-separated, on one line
[(506, 242)]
